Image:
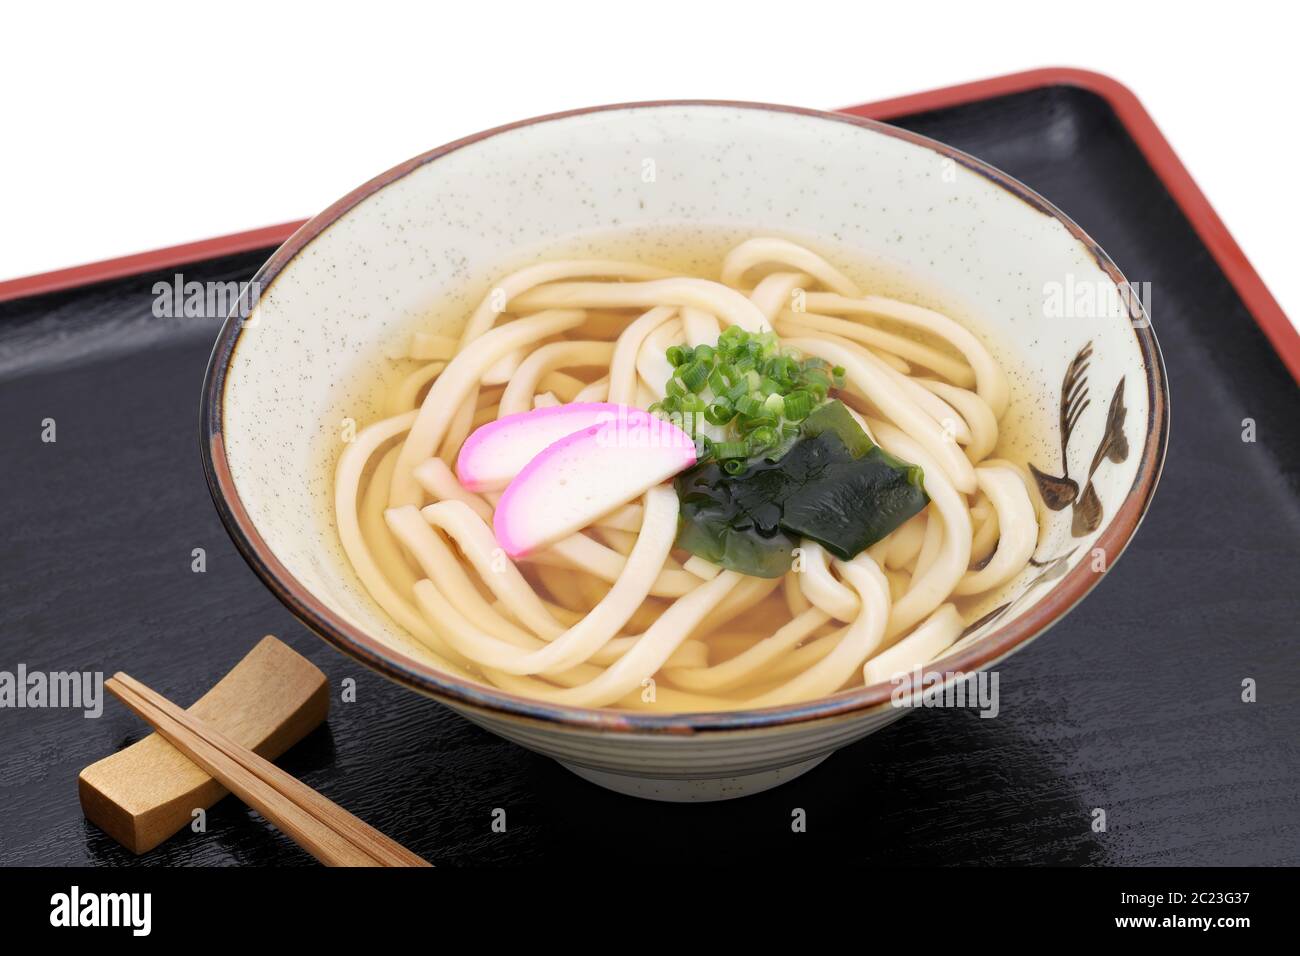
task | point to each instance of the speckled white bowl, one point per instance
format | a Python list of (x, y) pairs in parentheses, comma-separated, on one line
[(425, 240)]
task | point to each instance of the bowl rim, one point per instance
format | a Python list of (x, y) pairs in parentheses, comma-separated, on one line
[(448, 688)]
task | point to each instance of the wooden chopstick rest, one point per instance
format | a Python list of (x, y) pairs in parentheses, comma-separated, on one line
[(143, 794), (320, 826)]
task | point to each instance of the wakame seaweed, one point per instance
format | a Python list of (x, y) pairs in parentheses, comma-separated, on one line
[(831, 484)]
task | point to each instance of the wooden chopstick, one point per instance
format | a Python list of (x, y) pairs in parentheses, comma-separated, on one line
[(319, 826)]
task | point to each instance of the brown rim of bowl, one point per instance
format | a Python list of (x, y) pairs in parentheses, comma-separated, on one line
[(424, 679)]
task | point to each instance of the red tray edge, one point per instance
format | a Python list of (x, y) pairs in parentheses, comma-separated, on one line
[(1159, 153)]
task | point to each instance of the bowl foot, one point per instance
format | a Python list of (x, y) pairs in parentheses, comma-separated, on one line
[(694, 791)]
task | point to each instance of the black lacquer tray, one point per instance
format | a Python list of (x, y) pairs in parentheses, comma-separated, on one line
[(1132, 705)]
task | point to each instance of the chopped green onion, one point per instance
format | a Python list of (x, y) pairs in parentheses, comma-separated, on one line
[(798, 405), (733, 466), (730, 449), (733, 335), (783, 369), (746, 426), (736, 392), (748, 385), (817, 383), (694, 375), (719, 413)]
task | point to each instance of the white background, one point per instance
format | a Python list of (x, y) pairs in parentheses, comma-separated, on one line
[(133, 126)]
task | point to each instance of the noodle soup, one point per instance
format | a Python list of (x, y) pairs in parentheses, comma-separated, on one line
[(705, 473), (544, 591)]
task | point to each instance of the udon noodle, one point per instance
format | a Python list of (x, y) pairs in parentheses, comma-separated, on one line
[(616, 614)]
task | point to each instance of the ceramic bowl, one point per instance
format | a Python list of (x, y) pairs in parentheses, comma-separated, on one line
[(422, 244)]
